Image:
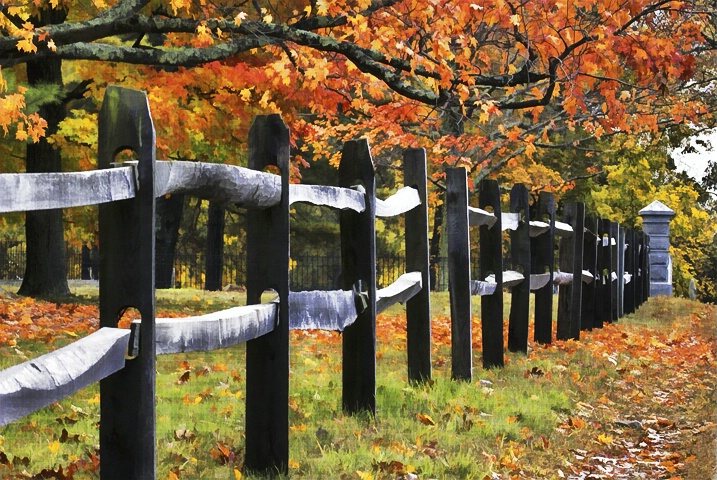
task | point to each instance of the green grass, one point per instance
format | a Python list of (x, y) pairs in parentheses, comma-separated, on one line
[(504, 421)]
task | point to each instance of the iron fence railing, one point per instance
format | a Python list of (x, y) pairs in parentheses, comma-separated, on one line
[(308, 272)]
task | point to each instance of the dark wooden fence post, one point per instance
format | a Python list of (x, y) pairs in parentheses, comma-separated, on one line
[(590, 249), (491, 262), (543, 260), (571, 260), (459, 273), (599, 278), (358, 263), (645, 267), (520, 261), (267, 357), (629, 295), (637, 257), (606, 272), (418, 308), (614, 253), (128, 420), (621, 241)]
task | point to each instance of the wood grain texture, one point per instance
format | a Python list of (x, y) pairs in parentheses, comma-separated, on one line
[(224, 184), (459, 276), (615, 254), (599, 293), (620, 272), (358, 262), (520, 263), (400, 291), (37, 383), (491, 262), (478, 217), (405, 199), (630, 261), (418, 308), (335, 197), (267, 357), (41, 191), (571, 261), (322, 310), (127, 239), (589, 266), (543, 262), (214, 330), (563, 230)]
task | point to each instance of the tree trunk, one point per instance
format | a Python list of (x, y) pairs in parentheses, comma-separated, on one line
[(169, 217), (46, 263), (215, 247)]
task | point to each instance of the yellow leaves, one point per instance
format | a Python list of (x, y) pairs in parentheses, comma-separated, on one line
[(19, 11), (54, 446), (515, 19), (26, 43), (237, 474), (204, 35), (177, 5), (245, 94), (425, 419), (294, 465), (298, 428), (241, 16)]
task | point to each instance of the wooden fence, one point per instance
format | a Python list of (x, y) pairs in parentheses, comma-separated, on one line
[(597, 284), (123, 360)]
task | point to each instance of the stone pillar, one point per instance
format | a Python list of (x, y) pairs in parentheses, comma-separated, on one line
[(656, 223)]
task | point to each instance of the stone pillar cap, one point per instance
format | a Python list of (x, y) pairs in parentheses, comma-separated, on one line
[(656, 208)]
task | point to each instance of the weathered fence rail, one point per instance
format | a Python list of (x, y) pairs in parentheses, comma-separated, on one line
[(123, 361)]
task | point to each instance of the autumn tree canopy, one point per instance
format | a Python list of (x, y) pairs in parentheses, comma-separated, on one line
[(480, 83), (472, 64)]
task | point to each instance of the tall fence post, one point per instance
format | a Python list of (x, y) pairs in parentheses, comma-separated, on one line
[(599, 275), (614, 265), (520, 261), (621, 273), (543, 260), (459, 273), (491, 262), (418, 308), (571, 259), (358, 263), (645, 263), (630, 256), (606, 272), (590, 249), (267, 357), (126, 232)]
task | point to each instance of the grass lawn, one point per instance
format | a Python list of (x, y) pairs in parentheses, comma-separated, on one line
[(633, 400)]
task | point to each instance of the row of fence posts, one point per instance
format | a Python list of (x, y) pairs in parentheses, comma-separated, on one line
[(128, 424), (594, 247)]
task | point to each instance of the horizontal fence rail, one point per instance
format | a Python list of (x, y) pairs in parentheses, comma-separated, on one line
[(601, 275)]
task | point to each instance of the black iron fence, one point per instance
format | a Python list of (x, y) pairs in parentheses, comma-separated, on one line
[(308, 272)]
